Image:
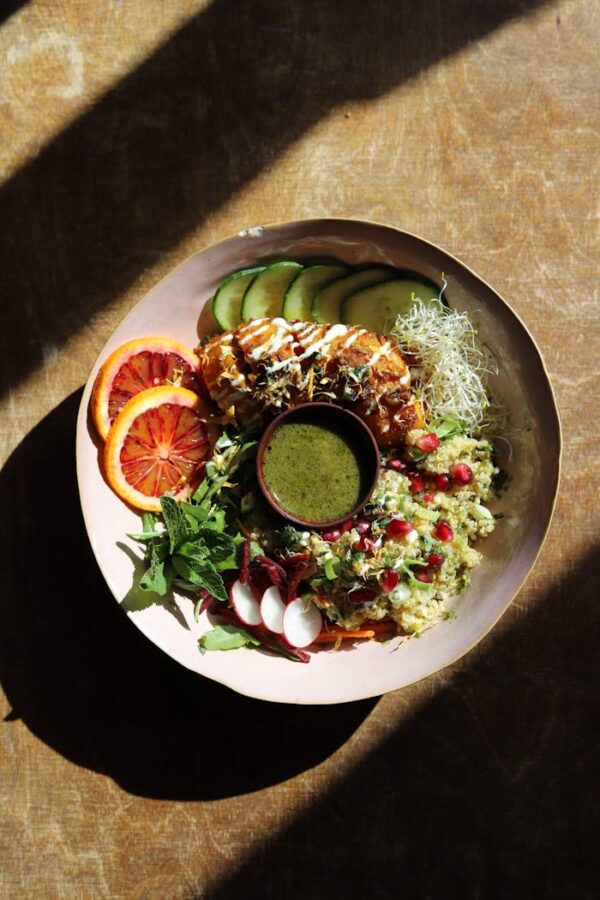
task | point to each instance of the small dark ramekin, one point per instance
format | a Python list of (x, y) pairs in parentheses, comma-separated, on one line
[(330, 413)]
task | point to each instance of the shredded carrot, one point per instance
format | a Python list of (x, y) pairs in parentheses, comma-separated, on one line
[(247, 534), (329, 635)]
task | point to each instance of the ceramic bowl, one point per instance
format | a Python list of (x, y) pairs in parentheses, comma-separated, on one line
[(178, 307), (340, 420)]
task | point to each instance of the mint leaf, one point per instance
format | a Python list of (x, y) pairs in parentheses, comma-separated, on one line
[(200, 573), (177, 527), (226, 637), (220, 546)]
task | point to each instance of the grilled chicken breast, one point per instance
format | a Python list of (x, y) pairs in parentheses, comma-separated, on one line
[(267, 365)]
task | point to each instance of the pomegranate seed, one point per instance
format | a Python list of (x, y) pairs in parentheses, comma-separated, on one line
[(417, 482), (364, 543), (363, 526), (442, 482), (389, 580), (361, 596), (397, 465), (443, 532), (428, 442), (462, 473), (398, 528), (346, 526), (435, 560), (427, 498), (331, 536), (424, 575)]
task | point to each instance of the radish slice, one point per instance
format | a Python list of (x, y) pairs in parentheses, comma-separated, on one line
[(301, 622), (272, 609), (245, 603)]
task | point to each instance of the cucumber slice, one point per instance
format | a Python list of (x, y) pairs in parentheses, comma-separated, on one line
[(377, 306), (226, 305), (264, 296), (327, 304), (301, 292)]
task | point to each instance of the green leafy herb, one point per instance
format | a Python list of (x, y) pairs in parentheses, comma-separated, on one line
[(190, 545), (227, 637), (447, 427)]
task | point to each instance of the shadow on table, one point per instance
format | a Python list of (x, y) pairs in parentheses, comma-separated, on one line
[(213, 107), (93, 688), (489, 791), (9, 8)]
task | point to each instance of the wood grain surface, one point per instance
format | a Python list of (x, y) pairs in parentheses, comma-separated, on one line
[(134, 133)]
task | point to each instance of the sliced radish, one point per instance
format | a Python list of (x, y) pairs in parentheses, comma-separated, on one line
[(301, 622), (272, 609), (245, 603)]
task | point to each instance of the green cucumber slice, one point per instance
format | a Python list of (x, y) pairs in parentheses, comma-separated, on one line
[(264, 296), (226, 305), (301, 292), (377, 306), (327, 304)]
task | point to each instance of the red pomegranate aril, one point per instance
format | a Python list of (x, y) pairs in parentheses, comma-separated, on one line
[(442, 482), (346, 526), (443, 532), (389, 579), (428, 498), (398, 528), (417, 482), (435, 560), (364, 544), (428, 442), (397, 465), (361, 596), (424, 575), (363, 526), (333, 535), (461, 473)]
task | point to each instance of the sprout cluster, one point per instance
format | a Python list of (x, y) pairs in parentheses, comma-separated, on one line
[(449, 368)]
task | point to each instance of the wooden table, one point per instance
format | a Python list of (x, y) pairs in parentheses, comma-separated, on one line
[(135, 133)]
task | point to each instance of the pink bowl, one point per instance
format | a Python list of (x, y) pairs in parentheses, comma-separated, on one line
[(177, 307)]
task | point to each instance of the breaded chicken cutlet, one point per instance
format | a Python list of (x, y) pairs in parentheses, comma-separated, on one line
[(267, 365)]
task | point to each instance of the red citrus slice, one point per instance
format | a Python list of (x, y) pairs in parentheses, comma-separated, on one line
[(136, 366), (159, 443)]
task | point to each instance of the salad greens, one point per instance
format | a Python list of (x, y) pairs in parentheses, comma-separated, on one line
[(190, 544), (227, 637)]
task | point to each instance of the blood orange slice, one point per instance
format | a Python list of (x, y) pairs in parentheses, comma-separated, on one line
[(136, 366), (159, 443)]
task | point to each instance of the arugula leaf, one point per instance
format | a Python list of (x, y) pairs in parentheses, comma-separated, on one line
[(158, 578), (177, 526), (446, 427), (226, 637)]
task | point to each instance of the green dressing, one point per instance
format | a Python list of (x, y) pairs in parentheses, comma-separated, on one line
[(314, 472)]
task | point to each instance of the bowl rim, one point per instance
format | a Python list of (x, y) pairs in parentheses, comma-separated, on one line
[(356, 424), (553, 476)]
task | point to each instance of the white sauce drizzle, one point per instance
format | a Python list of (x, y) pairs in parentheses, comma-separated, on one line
[(325, 342), (381, 352), (352, 338)]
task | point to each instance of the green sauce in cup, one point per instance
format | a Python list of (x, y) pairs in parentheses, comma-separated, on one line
[(313, 470)]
